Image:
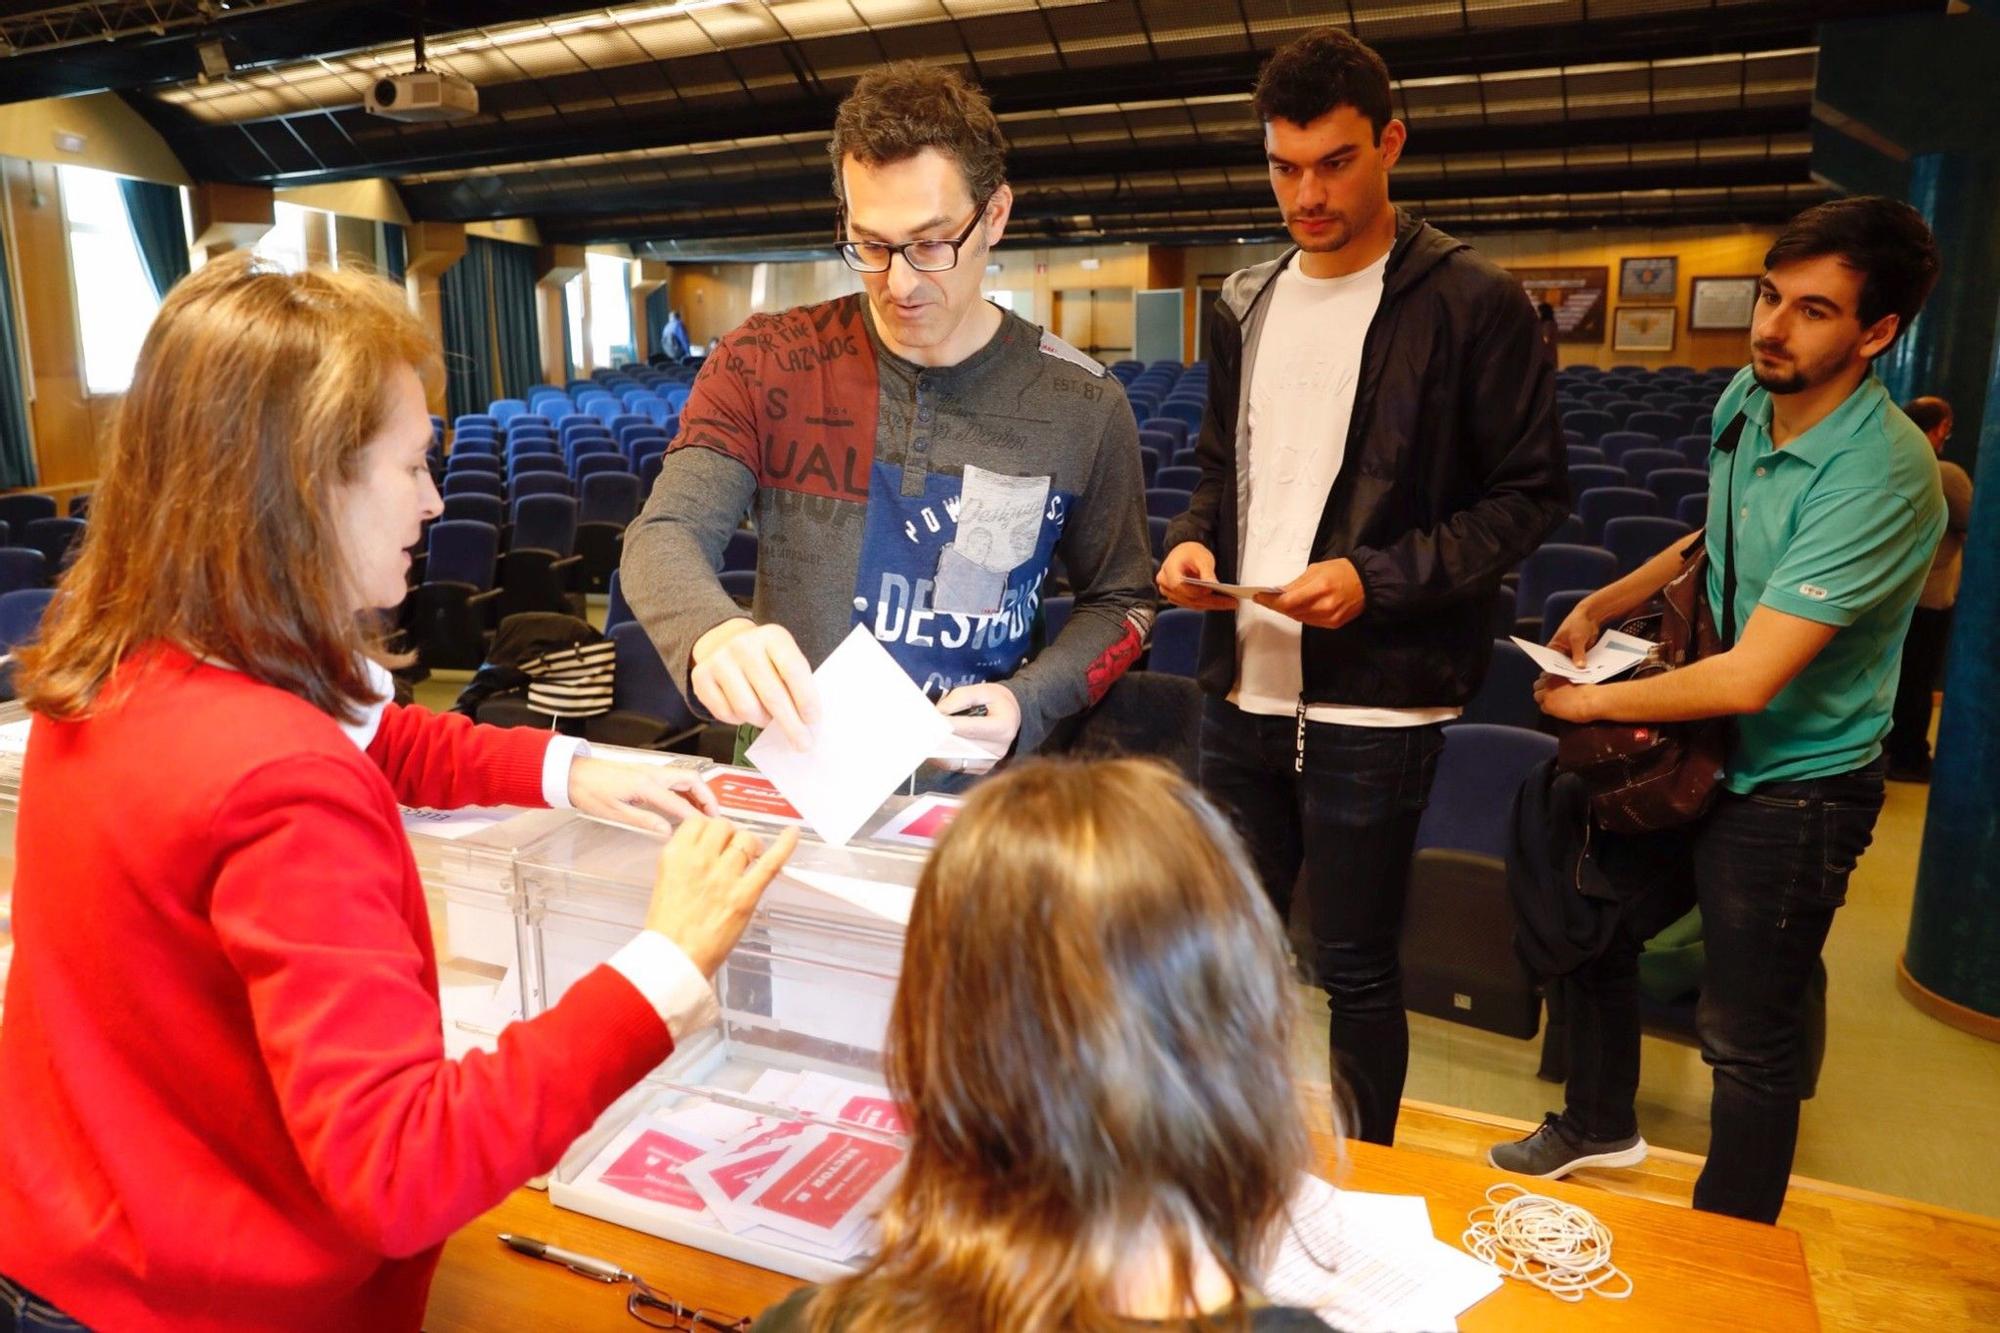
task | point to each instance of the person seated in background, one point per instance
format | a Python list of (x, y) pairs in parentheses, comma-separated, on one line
[(1092, 1044), (224, 1098), (1909, 742)]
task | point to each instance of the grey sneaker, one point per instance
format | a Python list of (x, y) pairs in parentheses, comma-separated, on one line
[(1555, 1150)]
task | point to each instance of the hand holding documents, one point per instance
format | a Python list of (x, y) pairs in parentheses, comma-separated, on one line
[(1611, 655), (875, 727), (1243, 592)]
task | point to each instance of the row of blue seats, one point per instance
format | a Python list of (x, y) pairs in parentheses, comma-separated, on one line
[(1591, 424), (35, 556)]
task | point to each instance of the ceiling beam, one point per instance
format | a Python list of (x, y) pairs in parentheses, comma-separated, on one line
[(1052, 212), (1696, 31), (510, 194)]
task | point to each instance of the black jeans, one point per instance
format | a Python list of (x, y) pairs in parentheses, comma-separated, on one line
[(1909, 741), (1769, 868), (21, 1311), (1350, 820)]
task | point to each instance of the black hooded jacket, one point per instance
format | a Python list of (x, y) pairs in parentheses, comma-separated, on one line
[(1454, 471)]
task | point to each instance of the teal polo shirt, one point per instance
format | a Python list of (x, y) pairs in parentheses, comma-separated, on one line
[(1837, 527)]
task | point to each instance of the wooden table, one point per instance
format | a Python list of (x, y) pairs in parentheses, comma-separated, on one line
[(1691, 1270)]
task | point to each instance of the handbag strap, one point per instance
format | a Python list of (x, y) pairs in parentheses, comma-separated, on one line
[(1726, 443)]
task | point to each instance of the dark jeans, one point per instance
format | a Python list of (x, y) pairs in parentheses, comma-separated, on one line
[(1350, 820), (1769, 870), (1909, 743), (21, 1311)]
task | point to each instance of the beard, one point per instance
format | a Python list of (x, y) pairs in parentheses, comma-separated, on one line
[(1795, 375), (1794, 381), (1334, 238)]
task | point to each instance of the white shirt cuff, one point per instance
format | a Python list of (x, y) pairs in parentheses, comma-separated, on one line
[(670, 981), (562, 752)]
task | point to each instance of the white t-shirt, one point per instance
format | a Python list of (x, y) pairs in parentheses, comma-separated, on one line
[(1301, 398)]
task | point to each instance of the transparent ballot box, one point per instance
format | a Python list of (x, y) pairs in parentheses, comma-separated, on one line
[(767, 1136), (466, 860)]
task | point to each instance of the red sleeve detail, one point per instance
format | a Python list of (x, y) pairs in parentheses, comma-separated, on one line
[(792, 397), (311, 908), (721, 409), (1113, 662), (446, 760)]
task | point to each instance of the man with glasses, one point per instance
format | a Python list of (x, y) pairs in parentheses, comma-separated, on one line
[(914, 457)]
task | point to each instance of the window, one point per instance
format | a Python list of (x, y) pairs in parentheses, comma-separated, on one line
[(610, 310), (285, 243), (115, 302), (573, 303)]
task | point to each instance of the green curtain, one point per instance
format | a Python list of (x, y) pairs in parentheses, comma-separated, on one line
[(17, 456), (513, 270), (395, 257), (160, 229), (463, 292)]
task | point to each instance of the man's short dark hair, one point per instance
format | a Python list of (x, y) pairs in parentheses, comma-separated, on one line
[(1883, 239), (897, 110), (1318, 72), (1928, 412)]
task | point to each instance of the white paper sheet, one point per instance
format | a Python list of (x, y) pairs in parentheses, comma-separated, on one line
[(1613, 654), (891, 902), (1374, 1267), (875, 727)]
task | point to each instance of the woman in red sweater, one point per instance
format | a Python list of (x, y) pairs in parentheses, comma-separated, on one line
[(224, 1100)]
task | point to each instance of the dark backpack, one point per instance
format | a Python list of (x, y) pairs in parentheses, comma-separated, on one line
[(1646, 776)]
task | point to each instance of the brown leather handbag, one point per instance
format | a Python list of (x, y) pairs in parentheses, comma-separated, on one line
[(1647, 776)]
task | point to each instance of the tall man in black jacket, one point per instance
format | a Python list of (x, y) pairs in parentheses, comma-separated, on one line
[(1381, 446)]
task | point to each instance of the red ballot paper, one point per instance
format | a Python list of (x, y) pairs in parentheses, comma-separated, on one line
[(650, 1169), (824, 1188), (874, 1113), (752, 797), (721, 1177)]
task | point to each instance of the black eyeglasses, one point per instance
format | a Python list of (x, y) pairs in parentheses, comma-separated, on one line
[(923, 256), (653, 1310)]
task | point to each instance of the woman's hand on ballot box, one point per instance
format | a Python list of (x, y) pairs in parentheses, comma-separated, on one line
[(642, 795), (711, 875)]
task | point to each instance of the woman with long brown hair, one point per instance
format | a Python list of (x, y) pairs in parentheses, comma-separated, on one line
[(1092, 1043), (224, 1099)]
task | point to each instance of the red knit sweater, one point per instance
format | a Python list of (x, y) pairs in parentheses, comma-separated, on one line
[(224, 1100)]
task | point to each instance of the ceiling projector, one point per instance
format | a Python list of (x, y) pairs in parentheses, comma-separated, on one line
[(422, 95)]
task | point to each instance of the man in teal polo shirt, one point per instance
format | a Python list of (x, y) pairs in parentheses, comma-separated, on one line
[(1830, 497)]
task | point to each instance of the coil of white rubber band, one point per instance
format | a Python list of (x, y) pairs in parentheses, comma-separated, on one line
[(1553, 1245)]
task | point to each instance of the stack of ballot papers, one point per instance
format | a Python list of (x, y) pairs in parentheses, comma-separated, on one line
[(801, 1183), (1369, 1263)]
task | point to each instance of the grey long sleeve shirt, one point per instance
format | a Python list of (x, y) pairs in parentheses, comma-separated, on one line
[(923, 502)]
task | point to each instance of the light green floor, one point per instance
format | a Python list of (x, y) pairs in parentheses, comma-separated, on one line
[(1906, 1105)]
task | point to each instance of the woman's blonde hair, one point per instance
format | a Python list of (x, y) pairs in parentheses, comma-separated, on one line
[(1093, 1040), (213, 527)]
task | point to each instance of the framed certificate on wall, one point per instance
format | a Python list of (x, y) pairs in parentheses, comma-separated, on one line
[(1721, 304), (1575, 294), (1649, 279), (1643, 328)]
